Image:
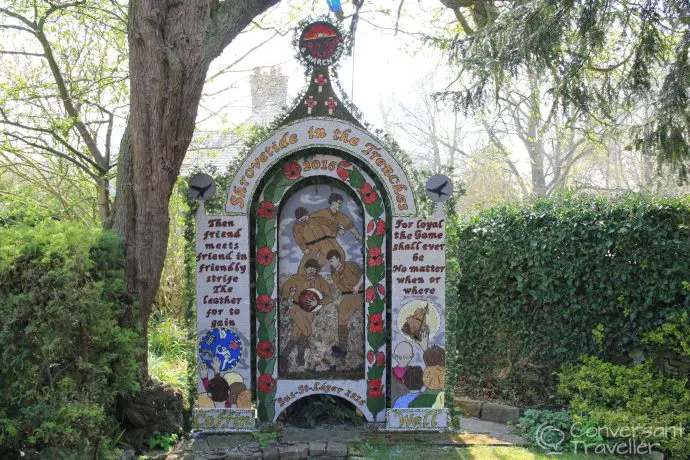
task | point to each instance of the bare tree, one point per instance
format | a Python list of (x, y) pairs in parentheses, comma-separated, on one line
[(554, 141), (65, 74)]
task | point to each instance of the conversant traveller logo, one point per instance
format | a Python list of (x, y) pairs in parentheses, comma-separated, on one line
[(550, 438), (604, 440)]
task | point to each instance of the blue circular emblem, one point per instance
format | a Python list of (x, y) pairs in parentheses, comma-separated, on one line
[(223, 344)]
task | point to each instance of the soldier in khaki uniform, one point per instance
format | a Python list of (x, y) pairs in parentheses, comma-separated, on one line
[(315, 236), (339, 219), (302, 304), (348, 277)]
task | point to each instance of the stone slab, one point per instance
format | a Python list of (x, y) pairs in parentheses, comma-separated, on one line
[(342, 434), (336, 450), (469, 407), (478, 426), (317, 449), (271, 453), (500, 413), (293, 452), (236, 456)]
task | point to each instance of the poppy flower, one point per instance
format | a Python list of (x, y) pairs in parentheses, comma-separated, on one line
[(265, 349), (264, 304), (380, 359), (370, 356), (370, 294), (368, 194), (266, 383), (375, 323), (375, 258), (377, 228), (292, 170), (374, 388), (343, 173), (264, 256), (381, 289), (266, 210)]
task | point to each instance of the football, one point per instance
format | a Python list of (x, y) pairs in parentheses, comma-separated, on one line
[(306, 298)]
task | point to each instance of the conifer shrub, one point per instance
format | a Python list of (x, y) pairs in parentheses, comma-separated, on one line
[(64, 357)]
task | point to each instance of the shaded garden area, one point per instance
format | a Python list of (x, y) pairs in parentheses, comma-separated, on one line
[(575, 308)]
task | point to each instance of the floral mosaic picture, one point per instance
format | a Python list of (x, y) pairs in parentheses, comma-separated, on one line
[(321, 279)]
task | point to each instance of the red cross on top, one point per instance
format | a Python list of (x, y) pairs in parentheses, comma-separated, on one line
[(321, 81)]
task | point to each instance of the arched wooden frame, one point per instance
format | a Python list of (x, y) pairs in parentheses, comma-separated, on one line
[(370, 396)]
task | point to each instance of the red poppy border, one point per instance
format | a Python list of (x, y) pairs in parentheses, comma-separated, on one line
[(266, 270)]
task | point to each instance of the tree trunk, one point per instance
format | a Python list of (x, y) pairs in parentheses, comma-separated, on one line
[(103, 200), (172, 44)]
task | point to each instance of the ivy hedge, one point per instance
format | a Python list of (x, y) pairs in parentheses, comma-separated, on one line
[(540, 285)]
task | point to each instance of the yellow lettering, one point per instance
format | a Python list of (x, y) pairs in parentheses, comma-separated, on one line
[(235, 201)]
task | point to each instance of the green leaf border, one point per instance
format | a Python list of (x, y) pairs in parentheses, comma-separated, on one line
[(265, 280)]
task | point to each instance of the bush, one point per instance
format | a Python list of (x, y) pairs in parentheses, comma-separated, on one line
[(63, 354), (630, 402), (547, 429), (535, 281)]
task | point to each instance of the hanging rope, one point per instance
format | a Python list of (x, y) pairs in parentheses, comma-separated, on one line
[(353, 29)]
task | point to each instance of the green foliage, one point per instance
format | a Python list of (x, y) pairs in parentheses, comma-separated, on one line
[(673, 334), (264, 438), (602, 58), (558, 431), (535, 281), (164, 441), (622, 397), (169, 347), (63, 91), (532, 425), (64, 356)]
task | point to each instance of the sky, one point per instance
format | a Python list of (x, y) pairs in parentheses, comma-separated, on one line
[(383, 68), (387, 70)]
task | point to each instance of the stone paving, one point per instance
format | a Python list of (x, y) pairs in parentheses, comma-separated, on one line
[(290, 443)]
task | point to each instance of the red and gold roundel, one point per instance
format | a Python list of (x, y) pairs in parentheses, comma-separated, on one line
[(321, 44)]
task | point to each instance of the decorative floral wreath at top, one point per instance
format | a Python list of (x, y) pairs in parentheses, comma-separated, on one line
[(266, 275)]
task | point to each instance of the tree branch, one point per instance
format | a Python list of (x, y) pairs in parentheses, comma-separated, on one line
[(228, 19), (64, 93), (58, 138), (22, 53), (51, 151)]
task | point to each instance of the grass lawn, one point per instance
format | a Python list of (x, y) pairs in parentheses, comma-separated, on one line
[(416, 451)]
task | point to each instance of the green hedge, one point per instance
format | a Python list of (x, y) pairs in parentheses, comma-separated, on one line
[(540, 285), (63, 355), (620, 399)]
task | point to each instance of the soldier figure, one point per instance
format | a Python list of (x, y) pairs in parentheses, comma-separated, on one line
[(305, 293), (348, 277), (315, 236), (339, 219)]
